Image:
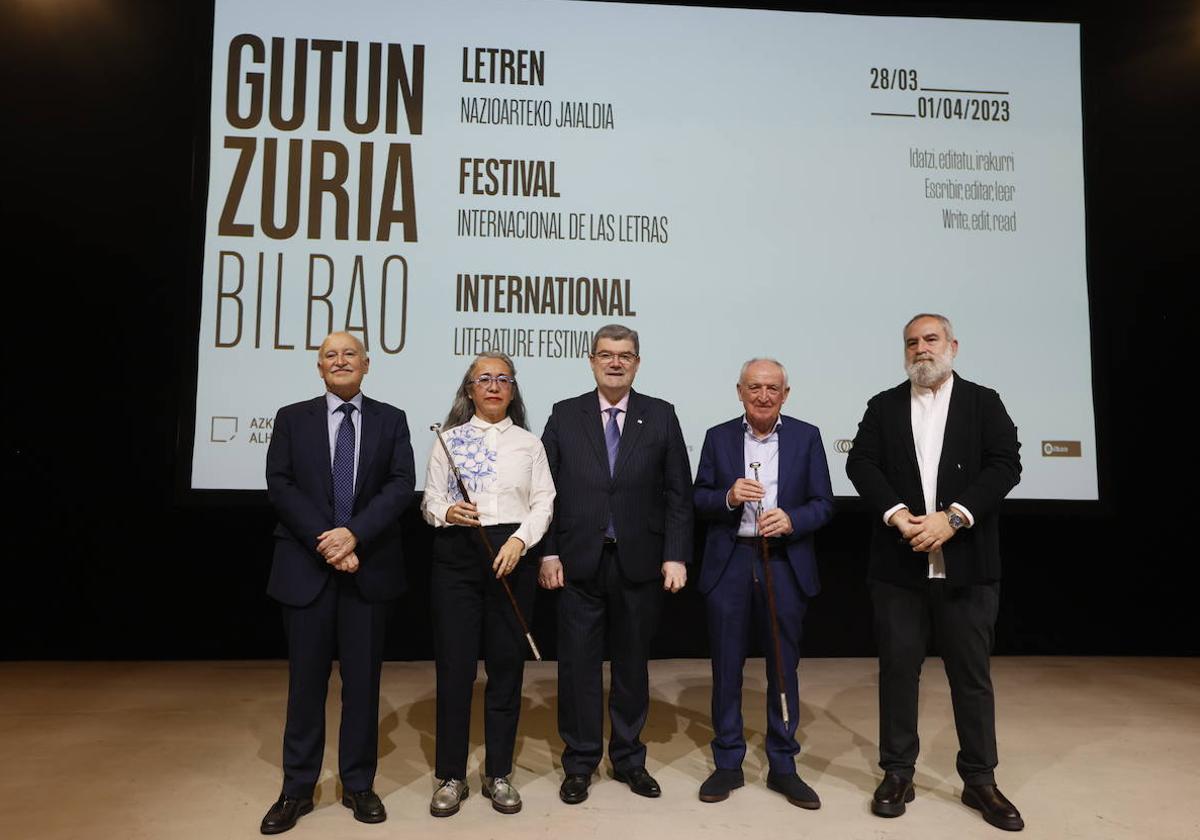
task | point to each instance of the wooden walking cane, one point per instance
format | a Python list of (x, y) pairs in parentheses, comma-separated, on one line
[(436, 428), (766, 558)]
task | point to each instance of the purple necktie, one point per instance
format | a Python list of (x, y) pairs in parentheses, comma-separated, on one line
[(612, 439), (343, 468)]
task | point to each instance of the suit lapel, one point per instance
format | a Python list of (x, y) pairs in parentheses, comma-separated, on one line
[(369, 443), (593, 426), (903, 426), (956, 421), (787, 451), (317, 430), (630, 433)]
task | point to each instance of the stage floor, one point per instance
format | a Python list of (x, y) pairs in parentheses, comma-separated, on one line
[(1089, 748)]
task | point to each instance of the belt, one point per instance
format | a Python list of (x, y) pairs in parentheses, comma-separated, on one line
[(774, 544)]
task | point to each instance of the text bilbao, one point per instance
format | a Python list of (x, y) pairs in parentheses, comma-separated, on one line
[(327, 188)]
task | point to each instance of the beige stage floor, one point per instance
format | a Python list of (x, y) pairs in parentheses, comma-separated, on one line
[(1090, 748)]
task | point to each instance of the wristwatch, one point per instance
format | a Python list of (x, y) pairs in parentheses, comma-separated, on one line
[(956, 519)]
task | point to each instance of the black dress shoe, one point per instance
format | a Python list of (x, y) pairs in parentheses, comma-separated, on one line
[(996, 809), (574, 788), (890, 796), (366, 805), (639, 781), (794, 788), (283, 814), (717, 786)]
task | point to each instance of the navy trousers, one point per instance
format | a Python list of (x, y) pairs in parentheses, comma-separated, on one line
[(737, 608), (341, 623)]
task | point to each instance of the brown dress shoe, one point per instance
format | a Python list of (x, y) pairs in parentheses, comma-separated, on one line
[(996, 809), (891, 795)]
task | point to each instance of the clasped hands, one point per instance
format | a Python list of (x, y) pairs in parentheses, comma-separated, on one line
[(337, 547), (771, 523), (466, 513), (924, 533)]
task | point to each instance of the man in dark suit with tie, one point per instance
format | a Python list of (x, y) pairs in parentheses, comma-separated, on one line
[(933, 458), (622, 532), (762, 480), (339, 474)]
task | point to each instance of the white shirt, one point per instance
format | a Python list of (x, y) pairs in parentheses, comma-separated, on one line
[(764, 452), (332, 403), (506, 473), (929, 410)]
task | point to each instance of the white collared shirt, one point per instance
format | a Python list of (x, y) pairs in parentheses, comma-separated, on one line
[(506, 473), (334, 417), (765, 453)]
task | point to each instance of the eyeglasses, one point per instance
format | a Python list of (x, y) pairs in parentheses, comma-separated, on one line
[(604, 357), (487, 380)]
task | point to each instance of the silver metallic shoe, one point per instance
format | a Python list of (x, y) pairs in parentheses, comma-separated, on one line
[(504, 796), (448, 797)]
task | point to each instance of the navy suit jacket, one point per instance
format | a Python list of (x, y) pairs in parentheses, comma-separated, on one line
[(980, 464), (804, 493), (300, 488), (649, 494)]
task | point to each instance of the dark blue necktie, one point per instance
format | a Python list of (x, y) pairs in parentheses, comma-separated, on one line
[(612, 439), (343, 468)]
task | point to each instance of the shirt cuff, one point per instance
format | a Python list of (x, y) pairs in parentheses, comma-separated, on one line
[(890, 512)]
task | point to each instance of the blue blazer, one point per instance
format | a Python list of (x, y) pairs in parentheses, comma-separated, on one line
[(805, 494), (300, 488)]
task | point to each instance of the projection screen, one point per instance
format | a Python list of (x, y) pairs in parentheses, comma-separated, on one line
[(442, 178)]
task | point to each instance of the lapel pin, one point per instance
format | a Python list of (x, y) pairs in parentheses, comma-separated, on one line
[(639, 421)]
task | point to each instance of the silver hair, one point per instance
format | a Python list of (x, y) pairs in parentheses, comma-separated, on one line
[(616, 332), (463, 409), (945, 322), (362, 348), (756, 359)]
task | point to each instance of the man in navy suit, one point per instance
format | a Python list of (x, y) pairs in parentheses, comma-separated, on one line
[(762, 476), (622, 533), (339, 475), (934, 457)]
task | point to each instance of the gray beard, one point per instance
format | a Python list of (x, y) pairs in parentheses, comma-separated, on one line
[(928, 372)]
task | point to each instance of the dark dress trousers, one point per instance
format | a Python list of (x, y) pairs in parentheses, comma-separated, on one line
[(980, 464), (613, 591), (732, 581), (329, 613), (470, 605)]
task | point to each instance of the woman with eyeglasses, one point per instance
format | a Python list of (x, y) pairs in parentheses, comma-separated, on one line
[(507, 476)]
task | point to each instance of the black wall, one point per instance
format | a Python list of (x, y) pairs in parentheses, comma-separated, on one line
[(104, 110)]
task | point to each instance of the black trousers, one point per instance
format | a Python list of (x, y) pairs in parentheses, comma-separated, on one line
[(470, 611), (339, 622), (962, 620), (626, 614)]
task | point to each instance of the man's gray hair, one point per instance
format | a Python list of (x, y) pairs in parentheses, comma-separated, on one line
[(755, 360), (946, 325), (358, 342), (616, 332)]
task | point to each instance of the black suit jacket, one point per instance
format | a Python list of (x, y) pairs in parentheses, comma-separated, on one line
[(649, 495), (980, 465), (300, 488)]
